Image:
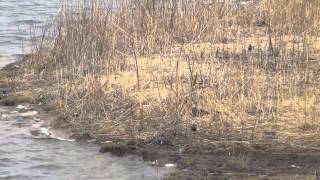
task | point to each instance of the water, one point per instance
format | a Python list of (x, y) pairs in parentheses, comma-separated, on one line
[(24, 156), (16, 18)]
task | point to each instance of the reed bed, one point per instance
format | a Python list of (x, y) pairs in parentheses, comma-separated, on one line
[(153, 70)]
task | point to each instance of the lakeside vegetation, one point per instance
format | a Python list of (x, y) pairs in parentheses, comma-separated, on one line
[(183, 73)]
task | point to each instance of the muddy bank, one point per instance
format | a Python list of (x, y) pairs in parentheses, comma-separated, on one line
[(195, 156)]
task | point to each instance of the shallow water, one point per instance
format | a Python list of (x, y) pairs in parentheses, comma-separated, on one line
[(24, 156), (16, 19)]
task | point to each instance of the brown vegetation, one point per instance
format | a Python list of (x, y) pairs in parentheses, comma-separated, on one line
[(207, 71)]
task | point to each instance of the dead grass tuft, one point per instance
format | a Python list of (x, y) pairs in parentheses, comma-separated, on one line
[(149, 70)]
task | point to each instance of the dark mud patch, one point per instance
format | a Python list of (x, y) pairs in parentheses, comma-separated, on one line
[(247, 165)]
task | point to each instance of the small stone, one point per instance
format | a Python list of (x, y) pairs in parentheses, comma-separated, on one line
[(131, 142), (36, 132), (13, 100), (115, 149), (81, 137), (219, 151)]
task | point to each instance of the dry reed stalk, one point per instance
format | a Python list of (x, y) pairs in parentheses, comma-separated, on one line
[(205, 76)]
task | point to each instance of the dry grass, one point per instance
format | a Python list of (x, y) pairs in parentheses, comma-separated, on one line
[(148, 69)]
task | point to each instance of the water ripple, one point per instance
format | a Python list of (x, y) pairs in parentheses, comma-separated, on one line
[(47, 167), (5, 162)]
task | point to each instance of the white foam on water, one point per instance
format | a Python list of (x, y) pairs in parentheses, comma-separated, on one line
[(170, 165), (93, 140), (37, 125), (23, 107), (16, 113), (5, 115), (295, 166), (53, 136), (28, 114), (37, 119), (45, 132)]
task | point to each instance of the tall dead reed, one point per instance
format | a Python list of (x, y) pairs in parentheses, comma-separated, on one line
[(232, 70)]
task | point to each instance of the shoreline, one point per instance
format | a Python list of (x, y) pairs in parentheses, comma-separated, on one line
[(218, 160), (49, 115), (217, 90)]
